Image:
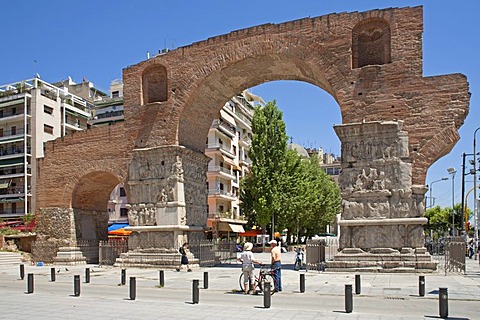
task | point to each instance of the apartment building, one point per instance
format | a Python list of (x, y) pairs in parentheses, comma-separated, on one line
[(32, 112), (228, 143)]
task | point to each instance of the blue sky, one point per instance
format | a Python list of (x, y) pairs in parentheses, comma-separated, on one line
[(97, 39)]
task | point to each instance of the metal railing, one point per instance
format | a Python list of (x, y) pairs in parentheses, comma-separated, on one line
[(320, 251)]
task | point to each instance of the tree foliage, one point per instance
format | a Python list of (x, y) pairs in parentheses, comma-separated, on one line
[(440, 220), (296, 192)]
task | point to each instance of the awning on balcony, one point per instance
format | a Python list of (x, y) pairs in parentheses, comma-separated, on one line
[(11, 163), (230, 227), (5, 183), (11, 200), (228, 160)]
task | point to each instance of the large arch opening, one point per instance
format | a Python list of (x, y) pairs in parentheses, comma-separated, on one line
[(309, 113)]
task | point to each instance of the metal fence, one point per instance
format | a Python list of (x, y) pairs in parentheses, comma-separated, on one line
[(450, 252), (320, 251), (109, 251), (209, 253)]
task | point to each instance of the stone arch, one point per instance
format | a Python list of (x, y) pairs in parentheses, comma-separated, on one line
[(219, 86), (155, 84), (371, 43), (89, 204)]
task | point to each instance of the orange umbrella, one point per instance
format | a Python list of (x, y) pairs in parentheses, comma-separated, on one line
[(119, 232)]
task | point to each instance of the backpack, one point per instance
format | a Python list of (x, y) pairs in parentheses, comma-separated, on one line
[(181, 250)]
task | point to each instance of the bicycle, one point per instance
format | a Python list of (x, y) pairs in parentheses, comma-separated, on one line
[(298, 264), (264, 275)]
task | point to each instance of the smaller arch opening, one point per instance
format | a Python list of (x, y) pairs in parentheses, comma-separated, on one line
[(154, 84), (371, 43)]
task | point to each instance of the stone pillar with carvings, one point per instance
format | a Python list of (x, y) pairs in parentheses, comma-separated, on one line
[(381, 225), (167, 204)]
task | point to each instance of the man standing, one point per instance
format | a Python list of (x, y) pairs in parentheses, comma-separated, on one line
[(276, 254)]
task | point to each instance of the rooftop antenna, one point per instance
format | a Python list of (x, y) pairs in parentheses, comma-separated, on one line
[(148, 55)]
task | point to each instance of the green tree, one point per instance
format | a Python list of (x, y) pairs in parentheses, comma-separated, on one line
[(261, 190), (283, 189), (440, 220)]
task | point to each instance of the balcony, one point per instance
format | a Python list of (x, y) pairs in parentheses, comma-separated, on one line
[(246, 162), (245, 141), (221, 194), (221, 171), (224, 127), (220, 147), (11, 115), (10, 136)]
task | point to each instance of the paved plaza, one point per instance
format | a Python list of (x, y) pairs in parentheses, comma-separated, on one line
[(383, 296)]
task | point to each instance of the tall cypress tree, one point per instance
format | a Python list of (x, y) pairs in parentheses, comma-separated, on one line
[(261, 190)]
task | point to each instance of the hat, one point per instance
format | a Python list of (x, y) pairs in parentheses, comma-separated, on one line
[(272, 242), (248, 246)]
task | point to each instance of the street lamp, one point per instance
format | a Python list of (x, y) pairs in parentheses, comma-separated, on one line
[(430, 186), (452, 171), (475, 209)]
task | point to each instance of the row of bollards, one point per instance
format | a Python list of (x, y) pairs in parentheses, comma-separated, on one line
[(443, 292)]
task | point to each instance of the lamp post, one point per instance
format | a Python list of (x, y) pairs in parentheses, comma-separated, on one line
[(430, 186), (475, 209), (452, 171)]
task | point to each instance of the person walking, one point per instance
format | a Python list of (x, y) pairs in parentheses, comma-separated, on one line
[(276, 255), (247, 259), (184, 261)]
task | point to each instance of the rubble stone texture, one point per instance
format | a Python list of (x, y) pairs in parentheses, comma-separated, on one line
[(370, 62)]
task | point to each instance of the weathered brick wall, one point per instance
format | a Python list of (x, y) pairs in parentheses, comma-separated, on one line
[(203, 76), (93, 161)]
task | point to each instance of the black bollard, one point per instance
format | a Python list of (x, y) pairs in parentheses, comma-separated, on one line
[(161, 276), (195, 291), (133, 288), (205, 280), (302, 282), (267, 295), (443, 302), (29, 282), (421, 286), (76, 285), (87, 275), (348, 298), (52, 274), (358, 286), (123, 278), (22, 271)]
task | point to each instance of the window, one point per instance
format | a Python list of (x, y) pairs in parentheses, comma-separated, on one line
[(14, 207), (14, 111), (47, 129), (115, 94), (123, 212), (1, 132), (122, 192), (47, 109), (13, 130)]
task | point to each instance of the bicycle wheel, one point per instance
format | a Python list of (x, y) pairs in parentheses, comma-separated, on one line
[(240, 283), (267, 278), (298, 265)]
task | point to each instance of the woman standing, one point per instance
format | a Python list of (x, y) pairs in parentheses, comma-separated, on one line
[(184, 261), (247, 260)]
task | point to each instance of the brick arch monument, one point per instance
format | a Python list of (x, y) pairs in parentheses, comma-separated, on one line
[(395, 124)]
